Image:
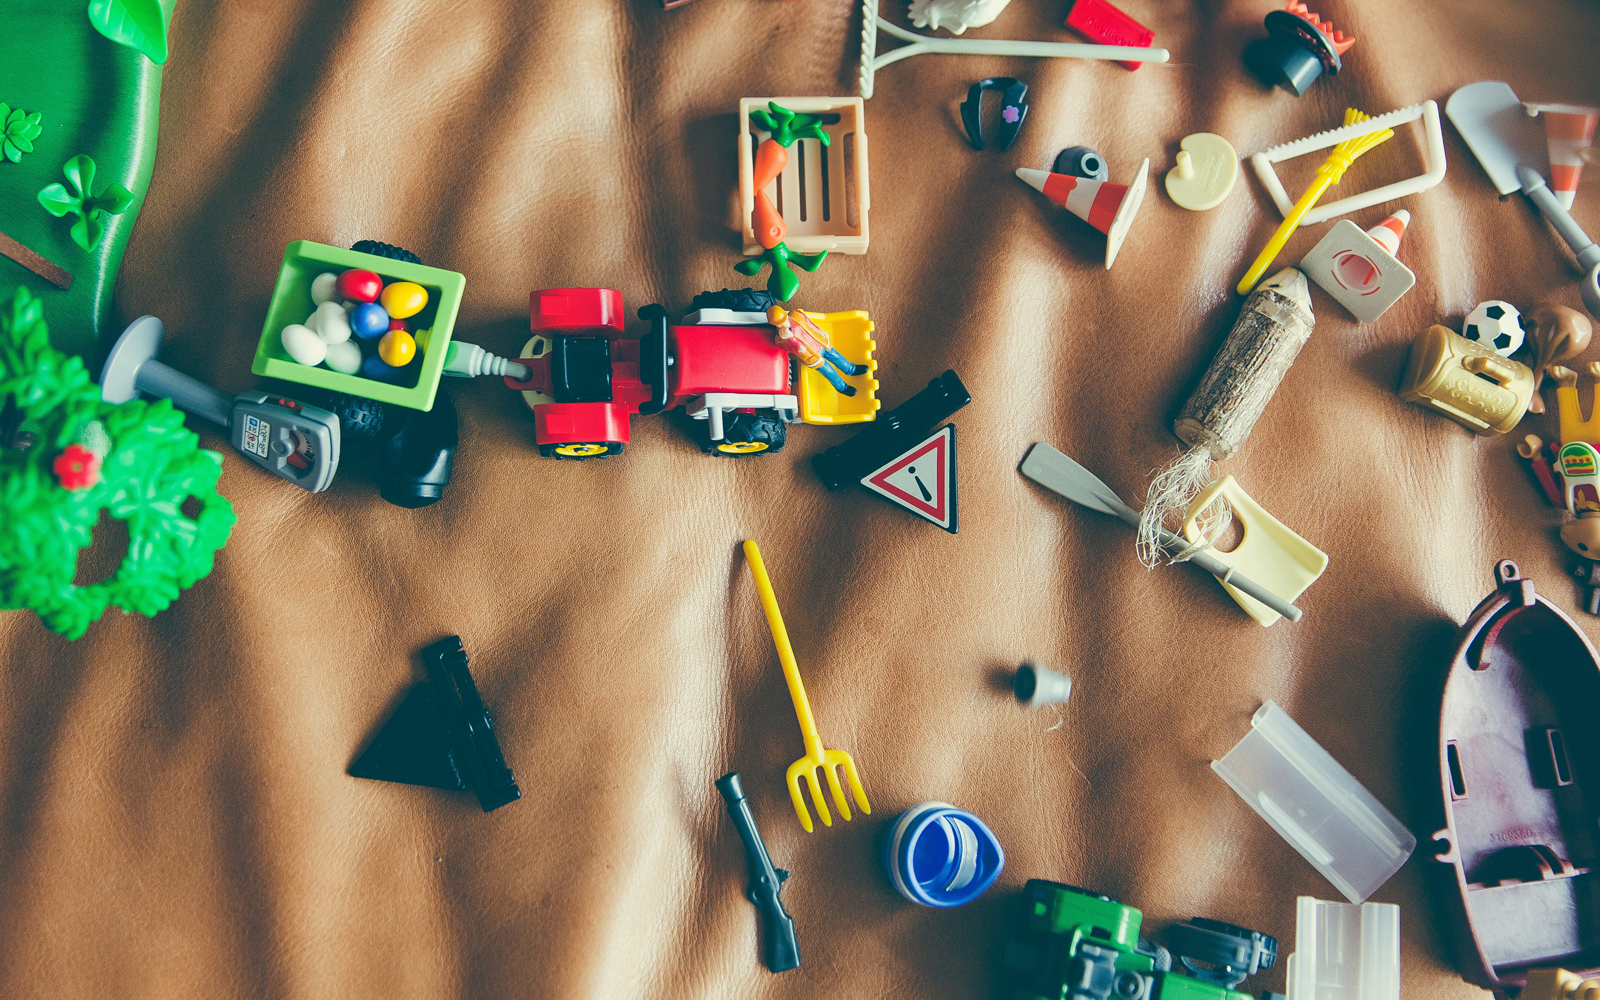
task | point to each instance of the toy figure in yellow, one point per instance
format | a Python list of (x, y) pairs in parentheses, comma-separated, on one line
[(798, 335)]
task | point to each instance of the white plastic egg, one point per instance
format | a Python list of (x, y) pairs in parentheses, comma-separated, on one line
[(331, 323), (345, 357), (303, 345), (322, 287)]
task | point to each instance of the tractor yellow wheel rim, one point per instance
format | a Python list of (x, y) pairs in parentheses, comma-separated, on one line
[(581, 450), (741, 447)]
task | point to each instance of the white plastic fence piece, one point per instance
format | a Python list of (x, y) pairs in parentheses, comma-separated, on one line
[(1345, 952), (1315, 804)]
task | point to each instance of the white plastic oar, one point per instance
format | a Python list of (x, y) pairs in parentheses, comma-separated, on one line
[(871, 62), (1060, 474)]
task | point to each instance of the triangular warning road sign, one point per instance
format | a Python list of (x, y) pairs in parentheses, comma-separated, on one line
[(922, 479)]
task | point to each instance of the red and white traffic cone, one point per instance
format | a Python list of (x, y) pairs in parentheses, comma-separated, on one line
[(1108, 207), (1388, 232), (1569, 129)]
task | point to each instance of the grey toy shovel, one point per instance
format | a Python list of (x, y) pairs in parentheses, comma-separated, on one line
[(1508, 145)]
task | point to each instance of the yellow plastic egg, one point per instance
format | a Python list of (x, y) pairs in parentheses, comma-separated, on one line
[(397, 348), (403, 299)]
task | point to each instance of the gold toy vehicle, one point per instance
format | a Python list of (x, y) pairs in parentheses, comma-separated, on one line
[(1471, 385)]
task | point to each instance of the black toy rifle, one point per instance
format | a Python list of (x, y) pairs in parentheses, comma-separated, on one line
[(783, 951)]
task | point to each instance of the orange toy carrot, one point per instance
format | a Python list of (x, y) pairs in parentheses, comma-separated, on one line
[(771, 158), (766, 223)]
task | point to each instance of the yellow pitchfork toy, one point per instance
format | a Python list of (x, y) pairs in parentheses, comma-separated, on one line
[(816, 757), (1328, 174)]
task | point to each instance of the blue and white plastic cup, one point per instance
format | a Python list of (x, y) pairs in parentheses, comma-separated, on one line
[(941, 856)]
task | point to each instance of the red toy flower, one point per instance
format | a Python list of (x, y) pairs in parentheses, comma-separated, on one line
[(77, 468)]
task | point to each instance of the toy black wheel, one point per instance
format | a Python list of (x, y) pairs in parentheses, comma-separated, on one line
[(737, 299), (360, 419), (386, 250), (580, 450), (1219, 953), (745, 434)]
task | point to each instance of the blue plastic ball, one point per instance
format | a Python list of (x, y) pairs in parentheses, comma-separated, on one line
[(368, 321), (376, 369)]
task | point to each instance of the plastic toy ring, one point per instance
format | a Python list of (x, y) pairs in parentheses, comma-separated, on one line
[(581, 450), (742, 447), (1012, 110), (941, 856)]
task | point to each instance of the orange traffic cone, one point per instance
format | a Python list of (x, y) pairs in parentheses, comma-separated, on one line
[(1388, 232), (1109, 208), (1569, 129)]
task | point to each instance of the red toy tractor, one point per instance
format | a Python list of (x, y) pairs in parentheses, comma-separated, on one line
[(720, 364)]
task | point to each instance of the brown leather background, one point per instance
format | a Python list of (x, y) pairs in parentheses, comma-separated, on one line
[(176, 817)]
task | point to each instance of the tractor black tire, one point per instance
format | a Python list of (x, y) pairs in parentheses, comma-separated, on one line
[(743, 433), (386, 250), (609, 448), (737, 299), (360, 419)]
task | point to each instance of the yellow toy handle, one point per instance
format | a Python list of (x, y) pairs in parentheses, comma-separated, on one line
[(780, 638), (1286, 229), (1328, 174)]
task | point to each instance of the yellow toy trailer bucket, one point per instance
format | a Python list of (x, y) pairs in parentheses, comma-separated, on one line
[(851, 335)]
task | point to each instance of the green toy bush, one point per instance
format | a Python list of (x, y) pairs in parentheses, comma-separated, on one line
[(53, 425)]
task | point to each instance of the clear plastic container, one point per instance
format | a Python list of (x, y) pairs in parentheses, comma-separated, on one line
[(1314, 804), (1345, 952)]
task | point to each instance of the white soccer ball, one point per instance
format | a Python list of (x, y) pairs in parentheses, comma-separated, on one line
[(1496, 325)]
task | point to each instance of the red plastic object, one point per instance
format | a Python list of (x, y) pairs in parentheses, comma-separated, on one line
[(576, 312), (1341, 41), (1518, 758), (1547, 479), (1100, 22), (726, 359), (359, 285), (567, 423)]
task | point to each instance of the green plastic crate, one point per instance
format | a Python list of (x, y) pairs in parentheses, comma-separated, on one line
[(291, 303)]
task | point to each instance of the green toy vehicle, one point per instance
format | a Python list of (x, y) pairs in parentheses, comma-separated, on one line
[(1073, 944)]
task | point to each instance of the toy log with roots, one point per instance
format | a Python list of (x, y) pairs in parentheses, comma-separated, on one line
[(1274, 324)]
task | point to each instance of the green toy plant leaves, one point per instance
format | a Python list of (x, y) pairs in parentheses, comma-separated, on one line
[(18, 129), (76, 199), (782, 281), (786, 126), (151, 467), (138, 24)]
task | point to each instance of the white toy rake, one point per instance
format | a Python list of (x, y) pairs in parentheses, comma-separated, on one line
[(871, 62)]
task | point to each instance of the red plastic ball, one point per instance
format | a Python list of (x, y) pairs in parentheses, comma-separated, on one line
[(358, 285), (399, 324)]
